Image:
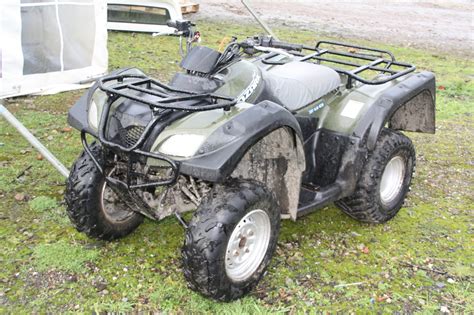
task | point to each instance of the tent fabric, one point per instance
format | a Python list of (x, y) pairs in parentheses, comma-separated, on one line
[(51, 44)]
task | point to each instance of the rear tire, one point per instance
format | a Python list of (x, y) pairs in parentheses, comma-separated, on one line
[(385, 180), (230, 240), (94, 208)]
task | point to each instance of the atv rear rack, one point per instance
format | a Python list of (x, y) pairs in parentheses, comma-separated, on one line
[(346, 59), (377, 63), (162, 96)]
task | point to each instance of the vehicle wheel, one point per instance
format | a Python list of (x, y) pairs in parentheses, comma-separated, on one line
[(230, 240), (385, 180), (92, 206)]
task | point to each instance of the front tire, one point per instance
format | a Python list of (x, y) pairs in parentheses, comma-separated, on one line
[(92, 206), (385, 180), (230, 240)]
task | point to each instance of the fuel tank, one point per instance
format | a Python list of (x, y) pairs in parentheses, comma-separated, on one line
[(242, 80)]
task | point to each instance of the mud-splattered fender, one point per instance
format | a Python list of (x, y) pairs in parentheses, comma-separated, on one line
[(226, 147), (409, 105), (277, 161)]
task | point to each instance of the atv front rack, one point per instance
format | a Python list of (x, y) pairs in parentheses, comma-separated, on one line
[(162, 96), (166, 102)]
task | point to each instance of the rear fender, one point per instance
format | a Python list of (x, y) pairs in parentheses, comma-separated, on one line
[(409, 106), (418, 114)]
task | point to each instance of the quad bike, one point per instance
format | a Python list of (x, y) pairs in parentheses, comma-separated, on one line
[(264, 130)]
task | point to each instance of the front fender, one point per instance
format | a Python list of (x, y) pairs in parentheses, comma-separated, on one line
[(242, 131), (78, 115)]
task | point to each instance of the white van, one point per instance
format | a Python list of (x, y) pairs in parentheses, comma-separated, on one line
[(142, 15)]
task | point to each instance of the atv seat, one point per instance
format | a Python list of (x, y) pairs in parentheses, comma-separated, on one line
[(297, 84)]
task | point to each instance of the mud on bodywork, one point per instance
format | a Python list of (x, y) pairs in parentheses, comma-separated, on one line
[(418, 114), (185, 195), (277, 161), (413, 96)]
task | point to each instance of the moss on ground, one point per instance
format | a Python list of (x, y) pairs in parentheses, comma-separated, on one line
[(421, 261), (62, 256)]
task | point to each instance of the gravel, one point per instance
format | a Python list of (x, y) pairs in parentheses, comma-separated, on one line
[(445, 26)]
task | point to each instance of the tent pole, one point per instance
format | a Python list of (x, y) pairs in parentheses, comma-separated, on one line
[(33, 140), (259, 20)]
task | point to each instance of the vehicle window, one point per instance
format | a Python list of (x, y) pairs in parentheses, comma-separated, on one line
[(137, 14)]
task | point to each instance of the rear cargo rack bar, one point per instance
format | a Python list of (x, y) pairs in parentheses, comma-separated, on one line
[(162, 96), (368, 49), (377, 60), (375, 57)]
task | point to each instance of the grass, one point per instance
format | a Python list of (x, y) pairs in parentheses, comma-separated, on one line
[(42, 203), (62, 256), (421, 261)]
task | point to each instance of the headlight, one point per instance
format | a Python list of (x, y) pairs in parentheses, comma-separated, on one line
[(95, 108), (184, 145), (100, 97), (93, 118)]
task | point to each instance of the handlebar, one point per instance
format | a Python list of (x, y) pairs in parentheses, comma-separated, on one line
[(172, 24), (178, 27), (252, 45), (286, 46), (265, 41), (183, 27)]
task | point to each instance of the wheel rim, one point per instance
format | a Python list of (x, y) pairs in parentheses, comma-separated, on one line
[(113, 208), (392, 179), (247, 245)]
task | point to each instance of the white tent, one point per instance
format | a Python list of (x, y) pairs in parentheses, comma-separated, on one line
[(51, 45)]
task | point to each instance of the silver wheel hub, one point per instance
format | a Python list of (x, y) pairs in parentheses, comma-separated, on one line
[(392, 179), (247, 245), (113, 208)]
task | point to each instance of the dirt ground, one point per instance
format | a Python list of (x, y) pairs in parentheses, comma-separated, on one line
[(443, 25)]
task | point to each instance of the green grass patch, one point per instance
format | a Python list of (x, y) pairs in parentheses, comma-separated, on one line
[(62, 256), (42, 203)]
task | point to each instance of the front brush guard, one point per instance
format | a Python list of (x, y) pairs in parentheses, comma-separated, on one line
[(128, 185), (166, 99)]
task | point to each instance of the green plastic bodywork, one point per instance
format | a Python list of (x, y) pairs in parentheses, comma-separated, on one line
[(200, 123), (238, 78), (330, 109), (243, 80)]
